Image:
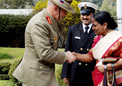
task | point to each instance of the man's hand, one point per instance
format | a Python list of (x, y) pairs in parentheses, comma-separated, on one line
[(66, 81), (70, 57)]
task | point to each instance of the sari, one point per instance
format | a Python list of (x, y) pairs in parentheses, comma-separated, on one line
[(103, 47)]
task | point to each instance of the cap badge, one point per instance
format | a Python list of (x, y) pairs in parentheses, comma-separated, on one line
[(61, 1), (85, 6), (48, 19)]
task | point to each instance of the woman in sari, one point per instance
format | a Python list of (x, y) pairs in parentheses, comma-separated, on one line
[(107, 44)]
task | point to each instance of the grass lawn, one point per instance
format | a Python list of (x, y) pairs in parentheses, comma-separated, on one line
[(15, 52), (6, 83)]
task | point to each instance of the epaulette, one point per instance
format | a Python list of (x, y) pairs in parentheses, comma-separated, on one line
[(48, 19)]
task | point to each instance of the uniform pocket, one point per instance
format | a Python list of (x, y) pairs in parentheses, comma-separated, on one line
[(40, 67)]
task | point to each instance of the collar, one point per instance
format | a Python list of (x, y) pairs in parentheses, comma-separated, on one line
[(51, 20), (90, 25)]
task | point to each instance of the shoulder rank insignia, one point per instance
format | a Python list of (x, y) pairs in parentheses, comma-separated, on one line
[(48, 19)]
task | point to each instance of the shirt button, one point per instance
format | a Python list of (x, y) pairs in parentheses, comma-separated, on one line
[(81, 49), (80, 63), (40, 67), (87, 49), (86, 64)]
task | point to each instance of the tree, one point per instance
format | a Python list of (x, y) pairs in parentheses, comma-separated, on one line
[(109, 6), (40, 5), (15, 4)]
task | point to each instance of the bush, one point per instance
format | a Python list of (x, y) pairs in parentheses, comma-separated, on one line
[(5, 56), (4, 69), (12, 28), (13, 22), (4, 77), (12, 68)]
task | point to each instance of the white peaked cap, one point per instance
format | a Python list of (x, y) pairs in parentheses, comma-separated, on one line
[(88, 4)]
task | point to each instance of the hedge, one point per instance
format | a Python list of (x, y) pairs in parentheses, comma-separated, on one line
[(13, 22), (12, 28), (12, 68), (5, 63), (5, 56), (4, 69)]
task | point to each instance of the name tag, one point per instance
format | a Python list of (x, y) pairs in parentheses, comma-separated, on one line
[(76, 37)]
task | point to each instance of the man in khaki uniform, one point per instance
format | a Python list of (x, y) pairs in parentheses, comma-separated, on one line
[(37, 67)]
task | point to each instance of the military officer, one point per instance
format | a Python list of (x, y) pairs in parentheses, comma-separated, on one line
[(41, 39), (80, 39)]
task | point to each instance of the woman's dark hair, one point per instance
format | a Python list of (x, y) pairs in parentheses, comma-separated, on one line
[(102, 17)]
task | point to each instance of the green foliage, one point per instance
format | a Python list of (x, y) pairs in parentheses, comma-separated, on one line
[(12, 28), (40, 5), (5, 56), (6, 83), (16, 22), (4, 69), (15, 4), (58, 75), (109, 6), (12, 68), (14, 52), (4, 77)]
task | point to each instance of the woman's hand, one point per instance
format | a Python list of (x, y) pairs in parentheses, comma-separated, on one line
[(77, 55), (83, 57)]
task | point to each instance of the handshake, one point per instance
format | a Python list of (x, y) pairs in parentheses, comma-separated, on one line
[(70, 57)]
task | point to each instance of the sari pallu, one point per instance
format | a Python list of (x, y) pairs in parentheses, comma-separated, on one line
[(108, 46)]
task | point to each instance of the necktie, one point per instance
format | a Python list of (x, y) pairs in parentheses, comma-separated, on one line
[(86, 28)]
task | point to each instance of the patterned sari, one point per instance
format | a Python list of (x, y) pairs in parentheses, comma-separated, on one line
[(108, 46)]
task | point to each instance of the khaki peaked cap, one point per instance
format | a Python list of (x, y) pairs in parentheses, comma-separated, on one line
[(64, 4)]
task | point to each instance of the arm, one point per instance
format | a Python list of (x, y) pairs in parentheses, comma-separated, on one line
[(88, 57), (83, 57), (117, 65)]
